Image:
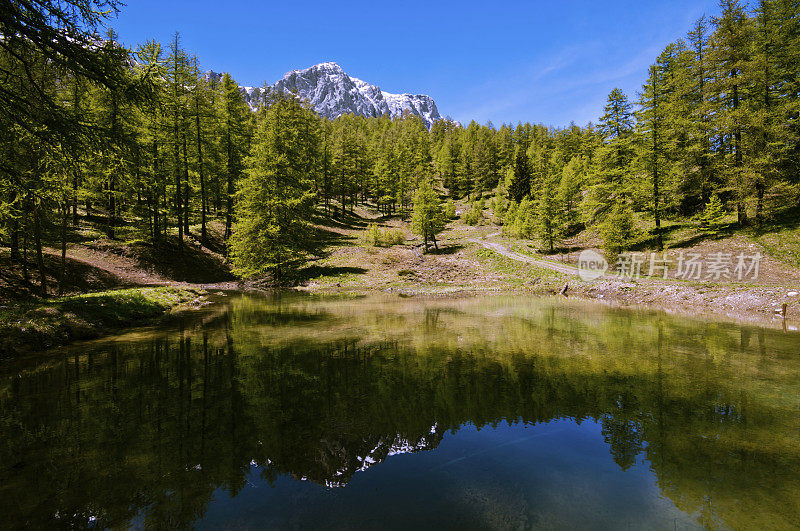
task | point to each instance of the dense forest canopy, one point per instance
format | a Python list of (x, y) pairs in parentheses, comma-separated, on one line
[(90, 128)]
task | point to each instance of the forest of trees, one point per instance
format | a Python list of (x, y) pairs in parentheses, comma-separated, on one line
[(89, 128)]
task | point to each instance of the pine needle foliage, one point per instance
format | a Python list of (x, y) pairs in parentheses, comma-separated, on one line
[(275, 200)]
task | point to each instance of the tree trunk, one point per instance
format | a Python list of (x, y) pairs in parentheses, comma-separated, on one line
[(62, 276), (229, 201), (156, 220), (656, 148), (178, 205), (186, 188), (229, 214), (200, 168), (75, 199), (203, 199), (176, 158), (154, 192), (741, 212), (112, 198), (25, 243), (37, 234), (112, 207), (165, 218), (344, 200), (14, 233), (656, 208), (760, 200), (150, 216)]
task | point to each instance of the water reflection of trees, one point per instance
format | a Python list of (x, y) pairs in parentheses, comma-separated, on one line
[(150, 429)]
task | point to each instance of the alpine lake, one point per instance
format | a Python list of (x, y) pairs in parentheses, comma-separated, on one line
[(510, 412)]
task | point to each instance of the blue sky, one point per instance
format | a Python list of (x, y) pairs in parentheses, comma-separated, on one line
[(540, 61)]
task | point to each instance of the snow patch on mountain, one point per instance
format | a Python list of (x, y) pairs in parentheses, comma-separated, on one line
[(332, 93)]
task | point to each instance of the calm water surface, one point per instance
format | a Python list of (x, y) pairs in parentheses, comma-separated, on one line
[(502, 412)]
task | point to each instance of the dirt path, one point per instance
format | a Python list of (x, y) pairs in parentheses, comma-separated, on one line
[(503, 250)]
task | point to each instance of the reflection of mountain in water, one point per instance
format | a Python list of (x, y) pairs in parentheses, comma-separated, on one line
[(383, 449), (155, 426)]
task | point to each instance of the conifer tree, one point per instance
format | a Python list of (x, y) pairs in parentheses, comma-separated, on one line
[(429, 218), (176, 103), (549, 214), (698, 119), (767, 136), (713, 214), (729, 53), (520, 186), (617, 119), (521, 219), (504, 145), (235, 122), (611, 164), (275, 200), (385, 168), (650, 121), (617, 231), (447, 164), (569, 190)]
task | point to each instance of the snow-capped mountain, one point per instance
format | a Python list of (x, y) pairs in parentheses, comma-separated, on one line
[(332, 93)]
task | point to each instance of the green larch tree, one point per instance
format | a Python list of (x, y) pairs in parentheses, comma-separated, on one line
[(429, 217), (275, 199)]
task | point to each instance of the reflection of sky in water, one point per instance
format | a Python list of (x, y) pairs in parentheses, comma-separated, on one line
[(556, 474)]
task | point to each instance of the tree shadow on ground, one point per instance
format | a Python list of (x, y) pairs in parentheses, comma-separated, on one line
[(787, 219), (721, 232), (80, 277), (186, 263), (402, 216), (445, 250), (315, 271), (322, 239), (563, 249), (335, 218), (649, 241)]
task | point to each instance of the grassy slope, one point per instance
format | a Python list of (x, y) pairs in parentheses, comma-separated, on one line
[(40, 325), (462, 266), (781, 238), (96, 262)]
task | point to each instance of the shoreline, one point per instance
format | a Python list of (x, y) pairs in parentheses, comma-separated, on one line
[(38, 327), (27, 328), (737, 304)]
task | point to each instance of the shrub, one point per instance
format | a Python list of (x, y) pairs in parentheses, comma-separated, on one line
[(450, 209), (617, 232), (712, 215), (499, 206), (474, 215), (378, 237), (520, 220)]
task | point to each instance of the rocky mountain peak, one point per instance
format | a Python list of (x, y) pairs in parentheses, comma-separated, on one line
[(333, 93)]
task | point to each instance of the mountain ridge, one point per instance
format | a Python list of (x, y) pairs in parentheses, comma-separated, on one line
[(332, 93)]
